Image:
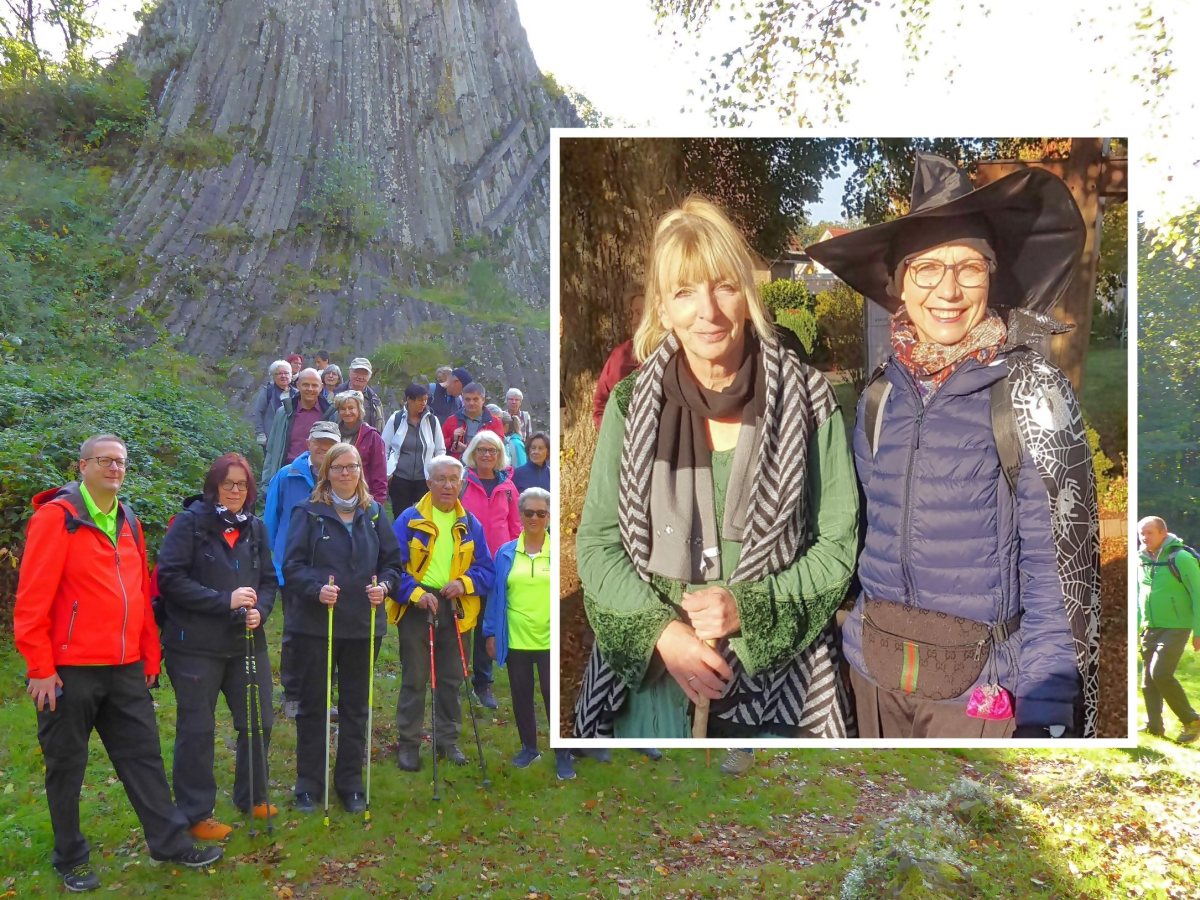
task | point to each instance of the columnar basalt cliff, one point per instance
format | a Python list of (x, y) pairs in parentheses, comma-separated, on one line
[(356, 174)]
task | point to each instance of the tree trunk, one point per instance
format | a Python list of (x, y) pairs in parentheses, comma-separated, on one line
[(428, 117)]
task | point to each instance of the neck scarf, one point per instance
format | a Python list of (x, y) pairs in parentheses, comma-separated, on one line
[(343, 505), (230, 519), (795, 400), (933, 363), (682, 499), (349, 436)]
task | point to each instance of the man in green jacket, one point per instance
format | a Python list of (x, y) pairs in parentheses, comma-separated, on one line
[(1168, 613)]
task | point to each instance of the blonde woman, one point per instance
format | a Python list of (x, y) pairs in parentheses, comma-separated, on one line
[(720, 527), (337, 542)]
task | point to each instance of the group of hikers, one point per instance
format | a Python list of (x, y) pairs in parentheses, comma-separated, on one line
[(459, 567)]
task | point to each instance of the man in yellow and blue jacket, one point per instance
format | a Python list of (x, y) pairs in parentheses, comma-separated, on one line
[(447, 566)]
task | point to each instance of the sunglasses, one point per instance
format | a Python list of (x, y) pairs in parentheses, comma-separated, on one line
[(535, 513)]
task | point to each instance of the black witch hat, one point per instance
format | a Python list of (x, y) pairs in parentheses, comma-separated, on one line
[(1028, 217)]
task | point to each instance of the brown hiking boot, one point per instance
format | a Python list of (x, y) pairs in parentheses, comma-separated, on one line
[(1191, 731), (210, 830)]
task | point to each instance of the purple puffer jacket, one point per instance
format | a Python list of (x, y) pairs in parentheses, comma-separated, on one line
[(943, 533)]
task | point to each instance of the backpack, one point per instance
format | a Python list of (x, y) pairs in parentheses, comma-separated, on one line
[(1004, 422), (1174, 566)]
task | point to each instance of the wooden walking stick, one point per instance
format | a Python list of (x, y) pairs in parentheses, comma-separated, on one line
[(700, 718)]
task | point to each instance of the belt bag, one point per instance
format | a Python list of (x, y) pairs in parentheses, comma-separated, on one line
[(924, 653)]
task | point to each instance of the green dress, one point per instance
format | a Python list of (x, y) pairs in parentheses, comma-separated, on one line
[(781, 613)]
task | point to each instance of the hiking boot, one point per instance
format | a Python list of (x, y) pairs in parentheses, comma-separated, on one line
[(1147, 729), (737, 762), (210, 830), (408, 759), (265, 811), (453, 754), (305, 803), (290, 709), (1191, 731), (193, 857), (80, 878), (355, 802), (485, 697), (526, 757), (563, 767), (651, 753)]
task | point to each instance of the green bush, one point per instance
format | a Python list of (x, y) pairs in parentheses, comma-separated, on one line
[(58, 260), (839, 314), (784, 293), (396, 364), (197, 148), (801, 323), (103, 113), (46, 412), (344, 197)]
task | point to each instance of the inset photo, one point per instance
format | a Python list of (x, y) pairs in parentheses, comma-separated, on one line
[(843, 440)]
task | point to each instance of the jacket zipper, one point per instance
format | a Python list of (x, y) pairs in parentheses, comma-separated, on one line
[(906, 518), (120, 581), (71, 624)]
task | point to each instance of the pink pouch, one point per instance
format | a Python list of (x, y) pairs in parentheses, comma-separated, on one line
[(990, 701)]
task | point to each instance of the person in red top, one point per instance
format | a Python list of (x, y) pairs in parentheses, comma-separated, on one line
[(460, 429), (84, 625), (619, 363)]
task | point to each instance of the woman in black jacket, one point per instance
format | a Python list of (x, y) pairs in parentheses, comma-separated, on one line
[(216, 581), (343, 534)]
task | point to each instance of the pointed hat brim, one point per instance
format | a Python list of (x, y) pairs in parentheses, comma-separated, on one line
[(1038, 239)]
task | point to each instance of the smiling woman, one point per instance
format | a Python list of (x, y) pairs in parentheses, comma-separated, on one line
[(720, 525)]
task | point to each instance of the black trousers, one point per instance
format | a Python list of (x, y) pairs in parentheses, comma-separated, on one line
[(198, 680), (351, 662), (115, 702), (1162, 648), (405, 492), (414, 677), (521, 664)]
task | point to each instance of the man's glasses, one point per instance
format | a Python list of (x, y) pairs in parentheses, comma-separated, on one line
[(348, 469), (109, 462), (928, 273), (535, 513)]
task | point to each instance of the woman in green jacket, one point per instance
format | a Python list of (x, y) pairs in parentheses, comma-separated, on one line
[(720, 527)]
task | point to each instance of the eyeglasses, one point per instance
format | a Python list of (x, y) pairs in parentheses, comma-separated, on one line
[(446, 481), (490, 451), (109, 462), (971, 273), (535, 513), (348, 469), (234, 486)]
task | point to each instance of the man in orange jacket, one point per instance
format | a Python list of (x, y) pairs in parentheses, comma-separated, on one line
[(84, 625)]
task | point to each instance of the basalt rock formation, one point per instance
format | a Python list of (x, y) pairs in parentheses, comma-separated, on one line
[(369, 176)]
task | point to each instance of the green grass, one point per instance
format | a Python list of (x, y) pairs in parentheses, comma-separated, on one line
[(1071, 824)]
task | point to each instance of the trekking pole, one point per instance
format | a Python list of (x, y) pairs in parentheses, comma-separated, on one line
[(458, 614), (262, 745), (250, 726), (433, 699), (370, 704), (328, 704)]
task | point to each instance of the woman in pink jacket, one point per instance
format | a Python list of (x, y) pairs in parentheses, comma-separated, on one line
[(490, 495), (365, 440)]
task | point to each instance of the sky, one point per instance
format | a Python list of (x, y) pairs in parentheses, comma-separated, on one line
[(1030, 67)]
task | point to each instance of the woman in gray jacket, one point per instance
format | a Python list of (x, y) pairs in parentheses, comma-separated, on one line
[(412, 436)]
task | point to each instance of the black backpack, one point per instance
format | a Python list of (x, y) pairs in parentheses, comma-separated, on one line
[(1174, 566)]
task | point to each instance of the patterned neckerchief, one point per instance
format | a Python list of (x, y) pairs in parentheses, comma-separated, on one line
[(932, 363)]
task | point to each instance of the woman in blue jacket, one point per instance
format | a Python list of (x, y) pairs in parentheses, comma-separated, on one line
[(980, 576), (516, 625)]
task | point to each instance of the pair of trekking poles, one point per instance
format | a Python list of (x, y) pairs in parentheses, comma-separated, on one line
[(254, 730), (370, 705), (432, 619)]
